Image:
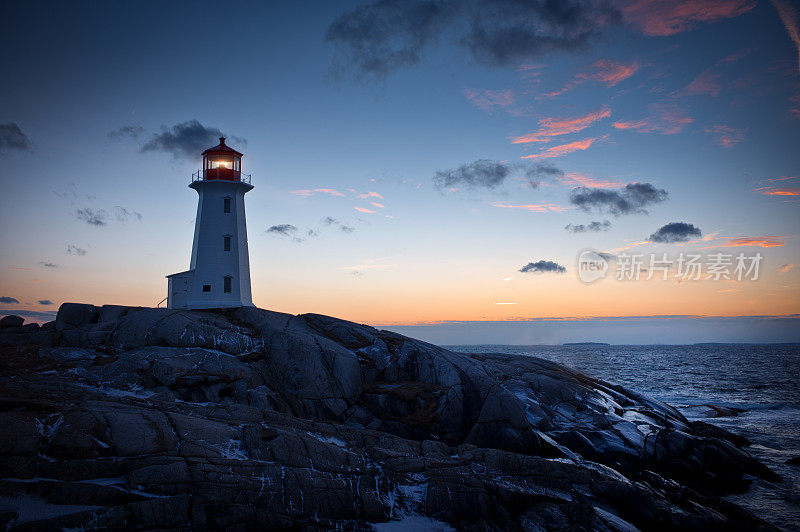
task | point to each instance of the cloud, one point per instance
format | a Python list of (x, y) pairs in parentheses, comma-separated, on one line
[(75, 250), (604, 71), (8, 300), (543, 266), (123, 215), (661, 18), (96, 217), (481, 173), (789, 17), (778, 191), (726, 136), (576, 178), (536, 173), (563, 149), (283, 230), (542, 207), (675, 232), (488, 174), (664, 118), (186, 140), (381, 36), (755, 241), (367, 195), (783, 268), (364, 210), (329, 220), (629, 200), (592, 227), (552, 127), (12, 138), (488, 100), (45, 302), (133, 132), (48, 264), (306, 193)]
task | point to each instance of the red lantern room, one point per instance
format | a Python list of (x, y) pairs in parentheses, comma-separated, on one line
[(222, 163)]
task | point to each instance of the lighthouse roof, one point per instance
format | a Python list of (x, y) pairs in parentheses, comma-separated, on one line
[(222, 147)]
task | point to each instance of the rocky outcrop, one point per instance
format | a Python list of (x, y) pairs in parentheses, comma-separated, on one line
[(155, 418)]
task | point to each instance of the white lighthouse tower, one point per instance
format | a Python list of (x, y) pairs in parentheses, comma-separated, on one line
[(219, 272)]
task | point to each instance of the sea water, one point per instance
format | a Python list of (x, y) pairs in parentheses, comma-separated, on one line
[(762, 380)]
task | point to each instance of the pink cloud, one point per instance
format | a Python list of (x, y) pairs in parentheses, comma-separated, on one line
[(364, 210), (775, 191), (667, 17), (369, 195), (604, 70), (488, 100), (727, 137), (552, 127), (667, 119), (755, 241), (704, 83), (307, 193), (563, 149), (542, 207), (575, 178), (379, 205)]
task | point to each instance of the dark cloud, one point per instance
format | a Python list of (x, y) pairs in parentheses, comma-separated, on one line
[(75, 250), (329, 220), (12, 138), (283, 230), (6, 299), (123, 215), (48, 264), (484, 173), (186, 140), (481, 173), (45, 302), (37, 314), (628, 200), (96, 217), (380, 36), (540, 171), (591, 227), (133, 132), (675, 232), (543, 266)]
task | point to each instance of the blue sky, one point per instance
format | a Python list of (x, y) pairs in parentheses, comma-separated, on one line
[(704, 105)]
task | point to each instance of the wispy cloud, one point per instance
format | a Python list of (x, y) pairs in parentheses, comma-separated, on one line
[(75, 250), (540, 207), (563, 149), (789, 17), (755, 241), (577, 178), (364, 210), (661, 18), (330, 220), (726, 136), (604, 71), (707, 82), (488, 100), (12, 138), (553, 127), (778, 191), (591, 227), (310, 192), (48, 264), (45, 302), (133, 132), (664, 118), (95, 217), (783, 268), (8, 299)]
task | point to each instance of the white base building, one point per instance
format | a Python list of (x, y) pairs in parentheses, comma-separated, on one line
[(219, 272)]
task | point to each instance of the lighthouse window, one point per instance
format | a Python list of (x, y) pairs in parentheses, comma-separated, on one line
[(206, 288), (227, 205), (226, 243), (227, 284)]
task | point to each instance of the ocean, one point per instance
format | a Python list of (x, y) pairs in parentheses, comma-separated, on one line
[(762, 380)]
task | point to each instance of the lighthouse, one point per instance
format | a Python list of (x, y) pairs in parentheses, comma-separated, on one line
[(219, 271)]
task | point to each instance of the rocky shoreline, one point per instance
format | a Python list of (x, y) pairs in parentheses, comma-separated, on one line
[(148, 418)]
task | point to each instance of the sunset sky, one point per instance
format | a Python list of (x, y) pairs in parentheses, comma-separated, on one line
[(410, 159)]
